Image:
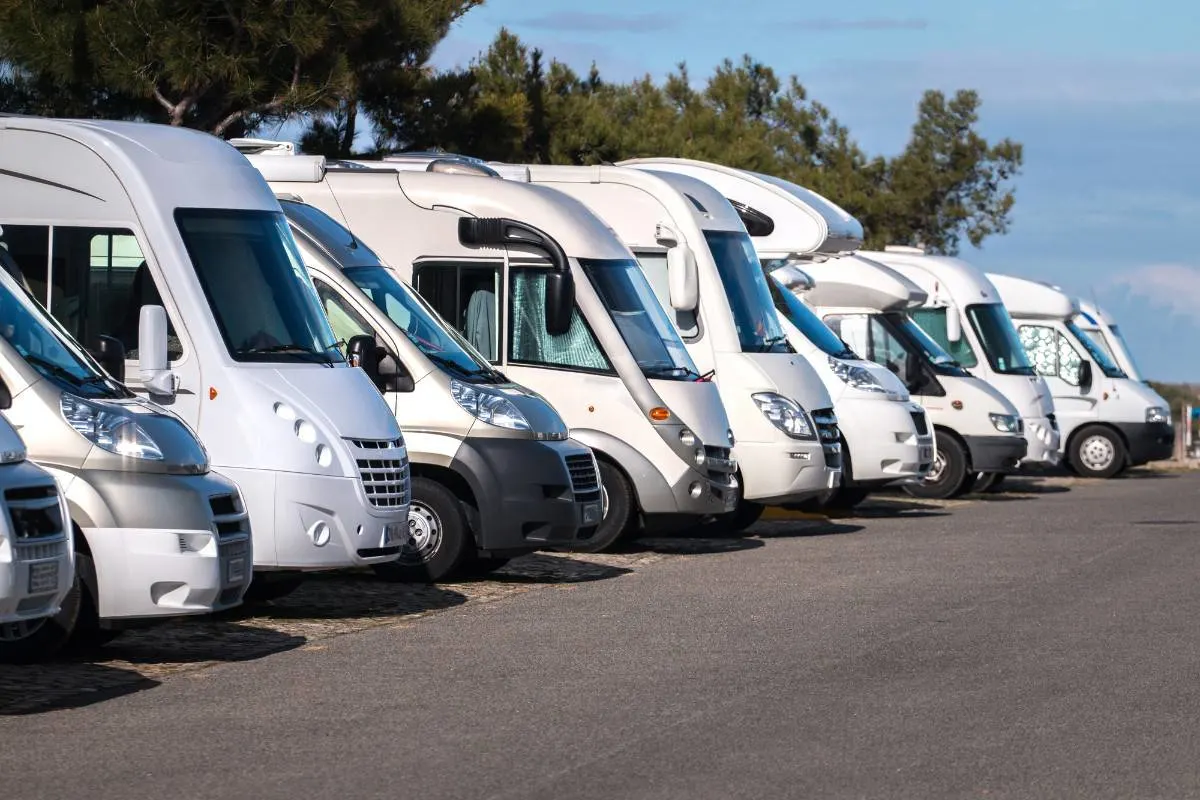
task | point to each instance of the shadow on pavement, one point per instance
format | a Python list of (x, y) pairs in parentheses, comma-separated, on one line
[(196, 640), (344, 596), (552, 569), (38, 688), (791, 528), (691, 545)]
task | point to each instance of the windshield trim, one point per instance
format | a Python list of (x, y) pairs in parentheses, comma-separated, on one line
[(989, 351), (1106, 362), (910, 334), (802, 317)]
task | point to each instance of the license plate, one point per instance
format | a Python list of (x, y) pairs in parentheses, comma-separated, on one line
[(926, 451), (235, 570), (592, 514), (43, 578), (392, 532)]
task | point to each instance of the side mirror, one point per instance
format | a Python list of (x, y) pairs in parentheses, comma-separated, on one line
[(682, 278), (393, 377), (1085, 376), (560, 302), (363, 352), (953, 324), (111, 355), (5, 396), (153, 365)]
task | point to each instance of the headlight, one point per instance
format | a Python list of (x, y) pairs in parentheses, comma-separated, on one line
[(1006, 423), (785, 414), (687, 438), (494, 409), (109, 429), (855, 377), (1158, 414)]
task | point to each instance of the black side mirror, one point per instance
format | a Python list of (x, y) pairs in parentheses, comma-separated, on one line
[(560, 302), (363, 352), (5, 396), (393, 376), (1085, 376), (110, 353)]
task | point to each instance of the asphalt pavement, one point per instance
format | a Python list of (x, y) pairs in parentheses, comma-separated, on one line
[(1021, 646)]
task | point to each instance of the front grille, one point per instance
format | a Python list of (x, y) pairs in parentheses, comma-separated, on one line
[(829, 435), (230, 520), (384, 471), (720, 464), (921, 423), (584, 479), (35, 513), (41, 550)]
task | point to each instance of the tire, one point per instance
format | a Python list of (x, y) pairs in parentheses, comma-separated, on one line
[(267, 586), (1098, 452), (988, 482), (746, 514), (88, 635), (949, 476), (847, 497), (619, 518), (439, 541), (38, 640)]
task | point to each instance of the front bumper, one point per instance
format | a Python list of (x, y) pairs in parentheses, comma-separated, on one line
[(35, 571), (1001, 454), (1148, 441), (529, 494), (885, 441), (178, 544), (785, 472), (1045, 443)]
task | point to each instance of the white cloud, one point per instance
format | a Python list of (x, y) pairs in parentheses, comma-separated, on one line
[(1172, 286)]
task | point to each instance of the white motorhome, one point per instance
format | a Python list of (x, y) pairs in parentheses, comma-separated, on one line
[(168, 244), (1108, 421), (1104, 330), (964, 314), (155, 533), (887, 437), (494, 472), (542, 289), (695, 252), (37, 561), (979, 432)]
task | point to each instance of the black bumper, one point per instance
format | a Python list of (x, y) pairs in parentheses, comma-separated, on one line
[(524, 494), (996, 453), (1148, 441)]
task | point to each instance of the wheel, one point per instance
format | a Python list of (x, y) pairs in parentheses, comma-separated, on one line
[(847, 497), (949, 476), (619, 513), (746, 514), (439, 537), (987, 482), (39, 639), (1097, 452), (267, 586), (87, 633)]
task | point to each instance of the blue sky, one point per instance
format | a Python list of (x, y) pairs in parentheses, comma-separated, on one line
[(1104, 94)]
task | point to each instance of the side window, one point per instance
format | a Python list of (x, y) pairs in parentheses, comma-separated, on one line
[(1039, 342), (852, 329), (467, 298), (530, 343), (1069, 361), (933, 322), (654, 265), (343, 318), (887, 350)]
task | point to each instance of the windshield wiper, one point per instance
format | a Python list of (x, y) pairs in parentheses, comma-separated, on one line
[(63, 372), (449, 363)]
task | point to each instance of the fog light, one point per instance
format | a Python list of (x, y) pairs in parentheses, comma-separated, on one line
[(699, 456), (695, 490), (801, 456), (319, 533), (687, 437)]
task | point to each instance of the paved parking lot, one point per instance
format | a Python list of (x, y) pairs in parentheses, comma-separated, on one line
[(1036, 642)]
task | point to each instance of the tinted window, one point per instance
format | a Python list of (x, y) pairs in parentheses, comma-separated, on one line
[(530, 343), (933, 322)]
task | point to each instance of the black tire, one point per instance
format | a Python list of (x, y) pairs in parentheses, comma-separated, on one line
[(25, 643), (847, 497), (746, 514), (440, 539), (987, 482), (1098, 452), (88, 635), (952, 476), (620, 518), (268, 586)]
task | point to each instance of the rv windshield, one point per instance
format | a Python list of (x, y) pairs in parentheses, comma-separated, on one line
[(421, 324), (809, 323), (746, 289), (46, 347), (260, 293), (640, 319), (910, 332), (1001, 345), (1120, 342), (1098, 353)]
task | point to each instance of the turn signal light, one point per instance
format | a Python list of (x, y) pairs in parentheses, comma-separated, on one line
[(659, 414)]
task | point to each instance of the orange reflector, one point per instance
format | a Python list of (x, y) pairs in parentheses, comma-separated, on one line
[(212, 393), (957, 405), (659, 414)]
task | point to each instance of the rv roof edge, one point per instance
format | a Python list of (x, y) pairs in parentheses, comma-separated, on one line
[(299, 169)]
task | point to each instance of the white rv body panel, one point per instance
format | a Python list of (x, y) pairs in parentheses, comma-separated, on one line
[(289, 432)]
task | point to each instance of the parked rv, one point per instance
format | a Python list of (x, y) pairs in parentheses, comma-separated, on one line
[(963, 313), (167, 254), (37, 560), (494, 473), (1105, 332), (886, 436), (543, 291), (1108, 421), (156, 533)]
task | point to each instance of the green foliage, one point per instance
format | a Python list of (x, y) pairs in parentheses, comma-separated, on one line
[(1177, 395), (508, 105)]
